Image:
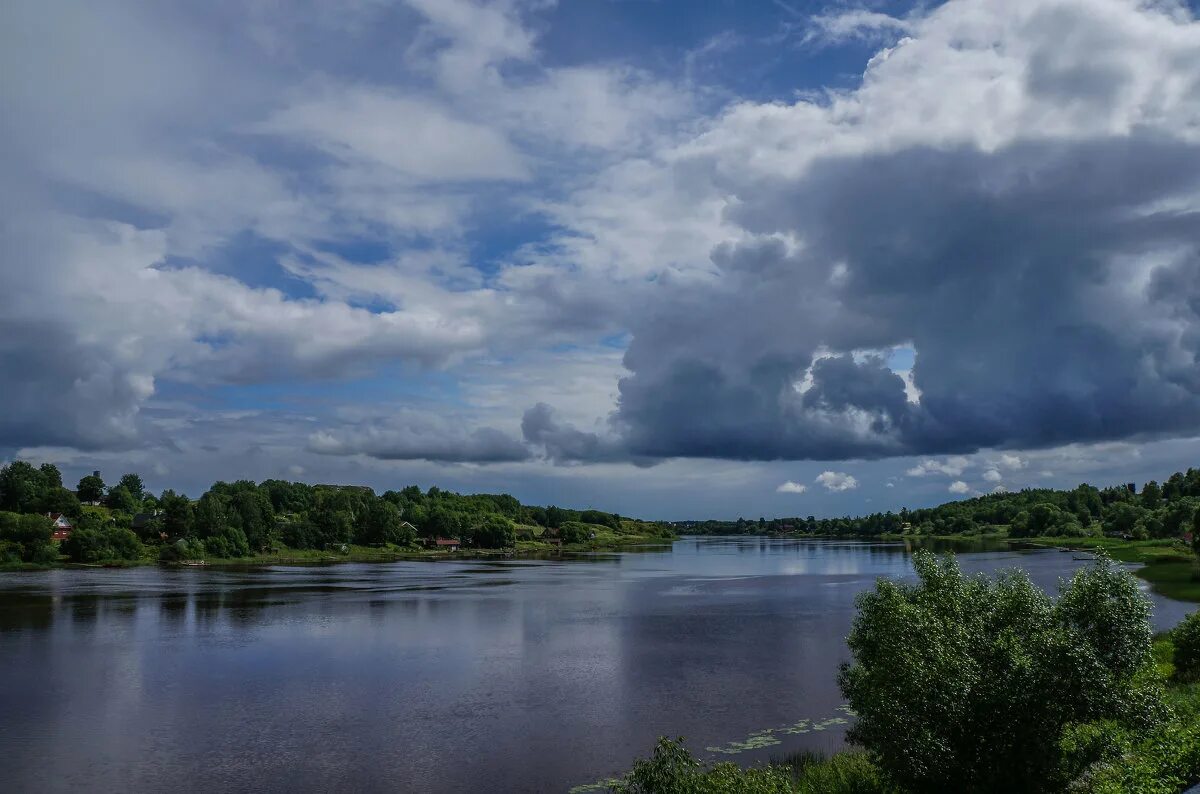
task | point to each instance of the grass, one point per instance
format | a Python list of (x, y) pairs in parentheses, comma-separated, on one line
[(846, 772), (1168, 565)]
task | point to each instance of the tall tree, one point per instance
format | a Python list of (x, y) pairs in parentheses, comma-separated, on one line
[(21, 487), (90, 488), (51, 476), (133, 483)]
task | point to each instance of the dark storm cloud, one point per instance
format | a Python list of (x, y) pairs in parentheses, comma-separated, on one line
[(1049, 290), (54, 391), (562, 442)]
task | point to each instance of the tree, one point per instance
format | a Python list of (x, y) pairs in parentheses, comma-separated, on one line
[(496, 532), (133, 483), (967, 684), (119, 498), (177, 514), (90, 488), (1196, 533), (26, 538), (92, 543), (211, 516), (51, 476), (60, 500), (382, 524), (1151, 496), (1186, 637), (21, 487)]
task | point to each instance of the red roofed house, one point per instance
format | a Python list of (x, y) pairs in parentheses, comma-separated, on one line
[(60, 526), (448, 543)]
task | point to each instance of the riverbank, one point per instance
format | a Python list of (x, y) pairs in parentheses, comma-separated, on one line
[(1168, 565), (355, 553)]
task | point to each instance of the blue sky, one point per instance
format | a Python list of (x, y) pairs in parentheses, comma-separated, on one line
[(675, 259)]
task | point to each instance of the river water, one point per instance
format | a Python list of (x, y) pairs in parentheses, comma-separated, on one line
[(458, 675)]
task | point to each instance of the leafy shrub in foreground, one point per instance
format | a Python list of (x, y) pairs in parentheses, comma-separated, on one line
[(968, 684)]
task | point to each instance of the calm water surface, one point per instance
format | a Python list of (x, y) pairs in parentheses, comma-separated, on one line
[(518, 675)]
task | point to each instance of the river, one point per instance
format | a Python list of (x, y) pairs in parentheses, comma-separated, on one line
[(446, 676)]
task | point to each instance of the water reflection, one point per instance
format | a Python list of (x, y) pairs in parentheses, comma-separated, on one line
[(458, 675)]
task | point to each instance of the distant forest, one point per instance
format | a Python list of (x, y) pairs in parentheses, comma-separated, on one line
[(124, 521), (1169, 510)]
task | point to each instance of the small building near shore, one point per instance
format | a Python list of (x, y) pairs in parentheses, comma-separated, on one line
[(444, 544), (61, 526)]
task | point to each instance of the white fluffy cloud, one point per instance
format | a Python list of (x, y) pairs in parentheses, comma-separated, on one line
[(792, 487), (959, 487), (837, 481), (951, 467)]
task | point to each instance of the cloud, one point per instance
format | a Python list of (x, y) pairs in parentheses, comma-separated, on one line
[(999, 489), (837, 481), (959, 487), (951, 467), (792, 487), (415, 437), (993, 475), (1017, 245), (1011, 462), (562, 442), (856, 24)]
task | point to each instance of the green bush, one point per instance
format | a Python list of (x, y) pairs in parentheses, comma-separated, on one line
[(968, 684), (26, 538), (102, 544), (671, 769), (1187, 648)]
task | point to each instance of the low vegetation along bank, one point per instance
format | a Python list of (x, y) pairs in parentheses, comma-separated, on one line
[(44, 524), (1158, 525), (977, 684)]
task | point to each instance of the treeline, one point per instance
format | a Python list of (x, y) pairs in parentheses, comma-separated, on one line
[(1168, 510), (244, 518)]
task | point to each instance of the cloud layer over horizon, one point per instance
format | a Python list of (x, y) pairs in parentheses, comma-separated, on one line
[(447, 234)]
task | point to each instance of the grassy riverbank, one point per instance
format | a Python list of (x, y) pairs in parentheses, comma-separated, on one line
[(632, 533), (1167, 564)]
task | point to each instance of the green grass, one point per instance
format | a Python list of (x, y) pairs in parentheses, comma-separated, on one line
[(1178, 580), (1168, 565), (846, 772)]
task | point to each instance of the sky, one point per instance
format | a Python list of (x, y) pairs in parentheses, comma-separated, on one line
[(673, 258)]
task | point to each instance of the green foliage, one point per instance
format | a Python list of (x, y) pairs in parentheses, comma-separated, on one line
[(842, 773), (26, 538), (382, 522), (133, 484), (119, 498), (1158, 512), (967, 684), (671, 769), (1186, 637), (176, 514), (23, 488), (575, 532), (90, 488), (496, 532), (92, 544), (59, 500)]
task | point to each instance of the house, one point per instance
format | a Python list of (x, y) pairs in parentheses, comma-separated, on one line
[(450, 544), (61, 527)]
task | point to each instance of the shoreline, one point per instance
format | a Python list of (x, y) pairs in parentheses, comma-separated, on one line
[(361, 554), (1167, 565)]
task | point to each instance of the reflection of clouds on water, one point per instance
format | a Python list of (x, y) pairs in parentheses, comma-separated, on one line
[(287, 674)]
